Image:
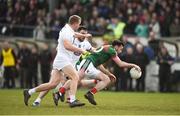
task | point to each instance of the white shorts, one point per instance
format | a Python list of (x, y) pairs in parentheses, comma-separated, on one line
[(90, 70), (61, 61)]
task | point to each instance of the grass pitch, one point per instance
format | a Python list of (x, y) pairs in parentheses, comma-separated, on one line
[(109, 103)]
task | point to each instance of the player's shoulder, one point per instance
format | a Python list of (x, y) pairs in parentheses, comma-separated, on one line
[(63, 30), (110, 49)]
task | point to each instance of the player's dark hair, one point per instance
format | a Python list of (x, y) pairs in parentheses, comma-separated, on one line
[(82, 28), (117, 42)]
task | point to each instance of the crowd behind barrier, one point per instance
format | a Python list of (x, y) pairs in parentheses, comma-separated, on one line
[(145, 22), (33, 18), (33, 62)]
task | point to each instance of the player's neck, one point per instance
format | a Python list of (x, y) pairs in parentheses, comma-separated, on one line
[(72, 27)]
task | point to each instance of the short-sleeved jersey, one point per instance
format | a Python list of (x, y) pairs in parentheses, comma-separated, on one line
[(102, 55), (84, 45), (66, 33)]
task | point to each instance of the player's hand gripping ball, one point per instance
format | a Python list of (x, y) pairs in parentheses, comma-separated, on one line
[(135, 73)]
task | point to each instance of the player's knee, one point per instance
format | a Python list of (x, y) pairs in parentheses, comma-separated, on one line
[(52, 85), (106, 79), (75, 77)]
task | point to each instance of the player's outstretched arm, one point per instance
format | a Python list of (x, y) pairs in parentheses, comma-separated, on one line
[(105, 71), (69, 46), (121, 63), (78, 35)]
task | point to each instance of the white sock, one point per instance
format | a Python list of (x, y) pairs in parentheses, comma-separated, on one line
[(72, 98), (38, 100), (31, 91)]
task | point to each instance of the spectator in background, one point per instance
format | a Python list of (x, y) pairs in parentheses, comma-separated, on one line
[(24, 12), (39, 32), (101, 25), (31, 16), (126, 80), (162, 22), (175, 28), (104, 9), (92, 25), (117, 27), (167, 21), (154, 26), (24, 55), (8, 60), (45, 59), (33, 68), (165, 61), (141, 59), (141, 29), (127, 44), (153, 43), (55, 28), (130, 26)]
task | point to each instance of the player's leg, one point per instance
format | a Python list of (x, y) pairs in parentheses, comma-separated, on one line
[(39, 98), (56, 91), (67, 96), (103, 82), (68, 84), (44, 93), (73, 75), (65, 88), (61, 88), (53, 82), (83, 83), (88, 83), (81, 73)]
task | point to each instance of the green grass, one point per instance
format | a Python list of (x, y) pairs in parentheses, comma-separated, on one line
[(109, 103)]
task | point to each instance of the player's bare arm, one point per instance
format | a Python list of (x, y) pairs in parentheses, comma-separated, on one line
[(93, 49), (105, 71), (121, 63), (71, 47), (77, 35)]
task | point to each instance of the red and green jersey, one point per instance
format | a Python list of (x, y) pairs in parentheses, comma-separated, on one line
[(102, 55)]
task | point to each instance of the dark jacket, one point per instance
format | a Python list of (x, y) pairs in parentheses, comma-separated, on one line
[(24, 57)]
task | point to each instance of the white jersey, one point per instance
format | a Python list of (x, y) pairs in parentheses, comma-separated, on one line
[(64, 56), (66, 33), (84, 45)]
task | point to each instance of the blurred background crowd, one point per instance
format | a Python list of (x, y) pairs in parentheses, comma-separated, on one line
[(24, 64), (142, 20), (44, 18)]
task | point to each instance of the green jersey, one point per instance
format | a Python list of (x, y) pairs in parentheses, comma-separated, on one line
[(102, 55)]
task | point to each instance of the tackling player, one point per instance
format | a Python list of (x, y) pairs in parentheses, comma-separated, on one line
[(62, 63), (88, 67), (80, 42)]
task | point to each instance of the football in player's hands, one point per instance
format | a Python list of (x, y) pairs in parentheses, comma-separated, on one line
[(135, 73)]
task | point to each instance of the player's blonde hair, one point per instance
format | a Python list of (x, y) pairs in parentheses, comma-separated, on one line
[(74, 19)]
